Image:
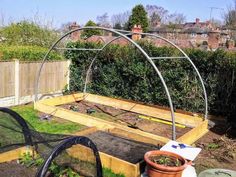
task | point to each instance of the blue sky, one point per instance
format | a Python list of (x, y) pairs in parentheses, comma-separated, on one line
[(62, 11)]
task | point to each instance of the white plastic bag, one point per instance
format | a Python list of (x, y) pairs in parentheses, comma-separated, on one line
[(189, 171)]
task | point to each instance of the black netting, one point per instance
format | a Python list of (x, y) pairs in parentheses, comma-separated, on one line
[(69, 156), (17, 132), (14, 131), (76, 156)]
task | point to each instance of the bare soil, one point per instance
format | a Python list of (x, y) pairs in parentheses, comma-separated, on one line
[(218, 148), (128, 118), (128, 150), (13, 169)]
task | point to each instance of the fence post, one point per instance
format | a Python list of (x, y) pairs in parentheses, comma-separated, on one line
[(17, 81), (68, 74)]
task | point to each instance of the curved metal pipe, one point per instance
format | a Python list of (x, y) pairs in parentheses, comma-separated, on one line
[(193, 65), (147, 57), (91, 64), (191, 62)]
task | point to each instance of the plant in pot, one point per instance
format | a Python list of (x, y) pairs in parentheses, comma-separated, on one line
[(164, 164)]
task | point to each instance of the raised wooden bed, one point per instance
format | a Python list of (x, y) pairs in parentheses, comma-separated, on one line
[(50, 106), (128, 162), (198, 126)]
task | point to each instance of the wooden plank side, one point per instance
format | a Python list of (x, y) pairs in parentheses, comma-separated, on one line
[(92, 121), (120, 166), (14, 154), (7, 79), (62, 99), (135, 137), (86, 131), (164, 114), (194, 134), (73, 116), (145, 110), (115, 164)]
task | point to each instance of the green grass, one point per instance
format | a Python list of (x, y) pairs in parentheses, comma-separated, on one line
[(109, 173), (56, 126)]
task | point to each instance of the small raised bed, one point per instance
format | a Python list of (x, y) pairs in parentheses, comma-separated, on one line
[(121, 155)]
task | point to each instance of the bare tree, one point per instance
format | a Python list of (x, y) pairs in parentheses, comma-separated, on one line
[(176, 18), (216, 22), (154, 20), (163, 13), (65, 27), (103, 20), (230, 16), (2, 19), (120, 18)]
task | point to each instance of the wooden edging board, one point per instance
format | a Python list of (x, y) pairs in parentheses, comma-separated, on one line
[(91, 121), (14, 154), (115, 164), (181, 118), (49, 106)]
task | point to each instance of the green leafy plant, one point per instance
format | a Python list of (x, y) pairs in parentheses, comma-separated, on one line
[(212, 146), (138, 17), (28, 33), (74, 108), (60, 171), (88, 33), (26, 53), (29, 161), (166, 160), (56, 170), (109, 173)]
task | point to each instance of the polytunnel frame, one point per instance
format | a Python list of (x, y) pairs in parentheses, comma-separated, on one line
[(149, 59)]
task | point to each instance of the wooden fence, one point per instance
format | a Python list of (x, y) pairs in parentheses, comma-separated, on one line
[(17, 79)]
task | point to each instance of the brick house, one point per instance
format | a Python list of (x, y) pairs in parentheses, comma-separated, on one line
[(75, 36), (196, 34)]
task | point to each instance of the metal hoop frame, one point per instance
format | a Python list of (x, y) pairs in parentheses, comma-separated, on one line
[(66, 144), (149, 59)]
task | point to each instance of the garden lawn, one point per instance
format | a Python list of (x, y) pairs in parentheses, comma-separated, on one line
[(54, 126)]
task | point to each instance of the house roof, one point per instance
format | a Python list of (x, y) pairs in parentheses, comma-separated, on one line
[(106, 39)]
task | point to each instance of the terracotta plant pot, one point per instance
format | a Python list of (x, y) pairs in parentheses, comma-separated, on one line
[(157, 170)]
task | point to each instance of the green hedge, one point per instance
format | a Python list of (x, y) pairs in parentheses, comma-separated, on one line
[(122, 71), (31, 53)]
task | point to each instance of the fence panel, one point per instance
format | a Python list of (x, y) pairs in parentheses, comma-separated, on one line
[(53, 77), (7, 79)]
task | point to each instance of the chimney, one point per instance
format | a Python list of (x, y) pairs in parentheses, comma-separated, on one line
[(230, 44), (213, 39), (197, 21), (110, 34), (75, 36), (137, 29)]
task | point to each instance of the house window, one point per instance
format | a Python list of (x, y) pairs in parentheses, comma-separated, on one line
[(204, 35), (193, 34)]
